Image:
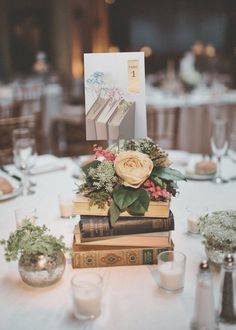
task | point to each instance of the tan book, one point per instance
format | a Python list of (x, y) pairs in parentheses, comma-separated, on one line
[(155, 209), (91, 116), (104, 256), (141, 240), (103, 118), (122, 123)]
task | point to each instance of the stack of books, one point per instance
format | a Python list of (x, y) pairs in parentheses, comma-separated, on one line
[(132, 240)]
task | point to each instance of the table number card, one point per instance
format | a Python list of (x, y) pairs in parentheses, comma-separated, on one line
[(115, 105), (133, 76)]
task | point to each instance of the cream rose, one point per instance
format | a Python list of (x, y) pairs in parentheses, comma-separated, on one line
[(133, 167)]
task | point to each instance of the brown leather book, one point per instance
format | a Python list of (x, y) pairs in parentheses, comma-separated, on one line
[(105, 256), (99, 226)]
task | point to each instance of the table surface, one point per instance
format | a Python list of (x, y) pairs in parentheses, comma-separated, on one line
[(131, 299)]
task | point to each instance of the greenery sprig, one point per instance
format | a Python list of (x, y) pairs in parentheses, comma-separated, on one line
[(31, 240)]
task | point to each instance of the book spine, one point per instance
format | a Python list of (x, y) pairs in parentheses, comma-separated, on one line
[(117, 257), (93, 226)]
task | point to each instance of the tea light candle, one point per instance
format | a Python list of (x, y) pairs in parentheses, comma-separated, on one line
[(66, 209), (22, 216), (66, 206), (87, 302), (171, 276), (192, 221)]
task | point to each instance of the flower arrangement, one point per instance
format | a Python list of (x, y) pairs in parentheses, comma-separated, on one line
[(219, 230), (30, 239), (128, 175)]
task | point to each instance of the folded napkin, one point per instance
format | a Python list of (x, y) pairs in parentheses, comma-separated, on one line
[(46, 164)]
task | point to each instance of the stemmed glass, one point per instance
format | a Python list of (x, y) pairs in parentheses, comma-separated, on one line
[(24, 153), (232, 147), (219, 145)]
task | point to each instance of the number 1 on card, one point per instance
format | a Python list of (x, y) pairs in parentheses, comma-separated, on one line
[(133, 76)]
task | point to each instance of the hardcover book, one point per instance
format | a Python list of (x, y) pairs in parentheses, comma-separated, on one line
[(155, 210), (105, 256), (91, 116), (99, 226), (141, 240), (101, 122), (121, 124)]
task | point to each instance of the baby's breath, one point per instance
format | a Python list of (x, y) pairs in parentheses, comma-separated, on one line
[(219, 230)]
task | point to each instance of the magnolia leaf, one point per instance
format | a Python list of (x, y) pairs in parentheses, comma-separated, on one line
[(141, 204), (114, 212), (125, 196), (93, 164), (167, 174)]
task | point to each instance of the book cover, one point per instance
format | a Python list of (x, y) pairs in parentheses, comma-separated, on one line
[(99, 226), (121, 124), (103, 118), (103, 256), (155, 209), (91, 116), (141, 240)]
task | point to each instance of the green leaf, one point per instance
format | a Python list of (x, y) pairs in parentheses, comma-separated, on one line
[(167, 174), (93, 164), (125, 196), (114, 212), (140, 206)]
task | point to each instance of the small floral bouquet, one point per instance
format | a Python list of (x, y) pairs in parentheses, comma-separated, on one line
[(219, 231), (129, 175)]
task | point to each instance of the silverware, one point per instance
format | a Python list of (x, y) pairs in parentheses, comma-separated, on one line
[(14, 176)]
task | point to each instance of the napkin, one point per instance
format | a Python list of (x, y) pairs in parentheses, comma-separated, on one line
[(46, 164)]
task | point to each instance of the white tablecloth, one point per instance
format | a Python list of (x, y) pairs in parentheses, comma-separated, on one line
[(132, 300)]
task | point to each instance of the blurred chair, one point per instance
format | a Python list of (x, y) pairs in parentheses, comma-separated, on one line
[(8, 124), (162, 126), (68, 136)]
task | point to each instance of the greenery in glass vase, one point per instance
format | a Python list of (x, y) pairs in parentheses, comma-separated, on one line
[(219, 230), (128, 175), (31, 240)]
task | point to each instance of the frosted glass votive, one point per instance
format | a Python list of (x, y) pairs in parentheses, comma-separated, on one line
[(87, 295), (25, 214), (171, 270), (66, 206)]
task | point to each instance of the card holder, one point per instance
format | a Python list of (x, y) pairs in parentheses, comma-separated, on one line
[(122, 123), (103, 118), (91, 116)]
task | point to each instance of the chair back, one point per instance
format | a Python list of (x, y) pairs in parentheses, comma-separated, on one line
[(162, 126)]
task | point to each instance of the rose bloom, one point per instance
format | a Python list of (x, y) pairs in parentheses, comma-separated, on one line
[(133, 167)]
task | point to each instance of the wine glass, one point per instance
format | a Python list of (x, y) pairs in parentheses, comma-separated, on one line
[(24, 155), (232, 147), (219, 145)]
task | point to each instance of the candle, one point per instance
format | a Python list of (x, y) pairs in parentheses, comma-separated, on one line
[(171, 268), (66, 209), (192, 222), (171, 276), (87, 295), (22, 216), (66, 206), (87, 302)]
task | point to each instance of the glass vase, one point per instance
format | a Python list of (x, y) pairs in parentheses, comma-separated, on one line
[(41, 270)]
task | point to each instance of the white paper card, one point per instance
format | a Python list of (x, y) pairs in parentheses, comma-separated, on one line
[(109, 79)]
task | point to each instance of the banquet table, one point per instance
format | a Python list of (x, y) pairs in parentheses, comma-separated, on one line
[(196, 111), (131, 297)]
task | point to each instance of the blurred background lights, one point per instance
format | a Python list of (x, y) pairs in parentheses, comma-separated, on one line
[(147, 51)]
